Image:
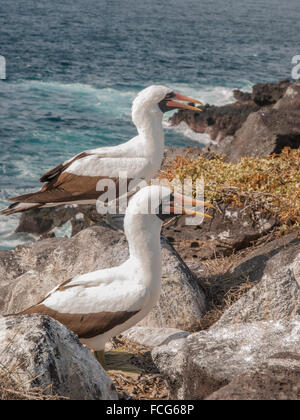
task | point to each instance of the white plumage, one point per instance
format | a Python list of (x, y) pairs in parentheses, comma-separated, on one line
[(100, 305), (106, 296)]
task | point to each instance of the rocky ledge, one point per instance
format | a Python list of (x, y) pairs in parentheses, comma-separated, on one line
[(257, 124)]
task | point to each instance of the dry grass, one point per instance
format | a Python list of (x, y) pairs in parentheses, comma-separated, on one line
[(12, 387), (270, 184), (221, 288), (131, 368), (221, 297)]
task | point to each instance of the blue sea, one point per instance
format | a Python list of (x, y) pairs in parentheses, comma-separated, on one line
[(74, 66)]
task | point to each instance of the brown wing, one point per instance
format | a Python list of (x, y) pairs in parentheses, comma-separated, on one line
[(84, 325), (67, 187)]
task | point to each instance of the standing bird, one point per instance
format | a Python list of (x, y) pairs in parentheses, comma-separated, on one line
[(100, 305), (75, 181)]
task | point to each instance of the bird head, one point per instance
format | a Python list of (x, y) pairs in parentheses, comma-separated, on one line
[(163, 99), (165, 203)]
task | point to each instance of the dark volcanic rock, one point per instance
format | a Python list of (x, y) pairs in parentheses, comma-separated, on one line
[(218, 122), (258, 124), (231, 230), (241, 96), (265, 94), (291, 98), (223, 121), (264, 133)]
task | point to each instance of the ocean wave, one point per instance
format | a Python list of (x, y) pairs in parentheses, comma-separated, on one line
[(8, 238), (214, 95), (188, 133), (107, 100)]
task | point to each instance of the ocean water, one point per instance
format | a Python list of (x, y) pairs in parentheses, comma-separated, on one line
[(73, 68)]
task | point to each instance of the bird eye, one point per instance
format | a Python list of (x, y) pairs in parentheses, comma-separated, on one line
[(170, 95)]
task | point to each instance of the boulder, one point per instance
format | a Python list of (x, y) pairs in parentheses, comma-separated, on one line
[(204, 362), (275, 383), (291, 98), (44, 222), (264, 94), (268, 130), (274, 269), (264, 133), (43, 354), (154, 337), (30, 271)]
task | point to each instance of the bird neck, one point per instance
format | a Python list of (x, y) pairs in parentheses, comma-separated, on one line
[(149, 126), (143, 236)]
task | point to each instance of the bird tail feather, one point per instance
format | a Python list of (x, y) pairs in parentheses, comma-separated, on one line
[(19, 208)]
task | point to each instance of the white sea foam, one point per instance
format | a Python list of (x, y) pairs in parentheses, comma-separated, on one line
[(63, 231), (213, 95), (9, 239), (187, 132)]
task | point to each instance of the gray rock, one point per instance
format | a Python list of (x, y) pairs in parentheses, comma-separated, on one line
[(266, 132), (44, 222), (48, 356), (154, 337), (204, 362), (31, 271), (276, 383), (231, 229), (291, 99), (275, 268)]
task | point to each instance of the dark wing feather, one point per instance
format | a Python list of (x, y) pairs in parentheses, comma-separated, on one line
[(55, 172)]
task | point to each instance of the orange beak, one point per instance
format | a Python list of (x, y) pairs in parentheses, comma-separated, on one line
[(180, 97), (178, 206)]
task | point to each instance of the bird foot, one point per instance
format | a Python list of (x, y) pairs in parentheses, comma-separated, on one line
[(100, 356)]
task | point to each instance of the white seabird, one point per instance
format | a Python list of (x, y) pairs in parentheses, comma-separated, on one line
[(100, 305), (75, 181)]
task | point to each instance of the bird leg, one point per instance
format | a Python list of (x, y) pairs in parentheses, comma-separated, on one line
[(100, 356)]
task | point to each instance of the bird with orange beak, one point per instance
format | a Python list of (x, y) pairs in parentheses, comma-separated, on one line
[(75, 180), (102, 304)]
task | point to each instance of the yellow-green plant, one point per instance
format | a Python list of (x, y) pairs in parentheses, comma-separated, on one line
[(270, 184)]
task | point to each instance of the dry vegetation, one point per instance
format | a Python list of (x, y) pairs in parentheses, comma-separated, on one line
[(131, 368), (12, 387), (271, 184)]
